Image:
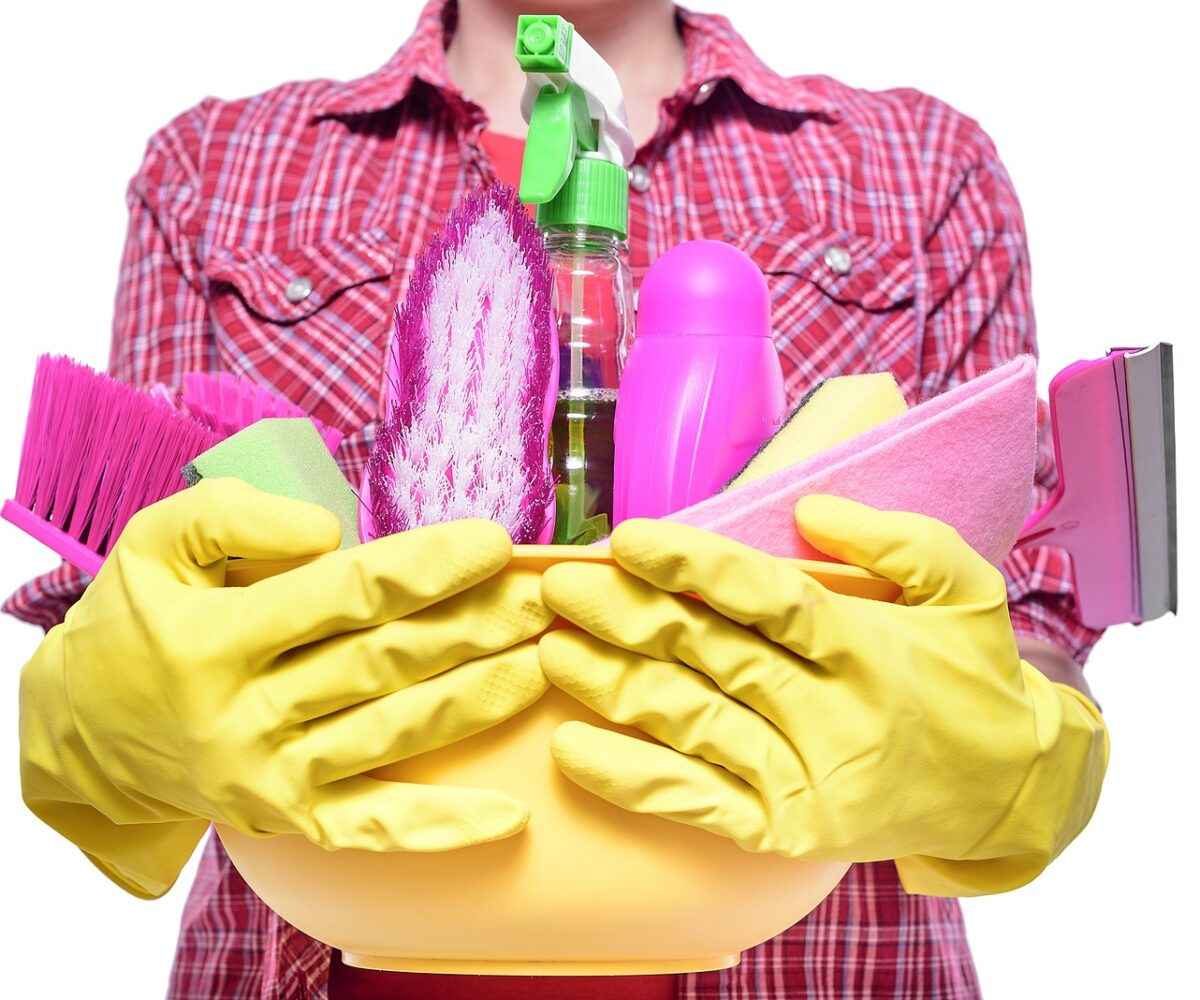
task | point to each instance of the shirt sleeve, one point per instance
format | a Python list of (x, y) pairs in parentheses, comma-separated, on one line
[(159, 323), (978, 314)]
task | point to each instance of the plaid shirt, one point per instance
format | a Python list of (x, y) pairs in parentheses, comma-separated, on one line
[(891, 239)]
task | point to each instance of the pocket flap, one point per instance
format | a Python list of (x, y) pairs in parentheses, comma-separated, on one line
[(287, 285), (869, 271)]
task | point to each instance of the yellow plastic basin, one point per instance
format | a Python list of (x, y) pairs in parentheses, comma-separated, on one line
[(586, 889)]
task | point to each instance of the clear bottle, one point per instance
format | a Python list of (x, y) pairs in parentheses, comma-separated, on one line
[(593, 307), (574, 170)]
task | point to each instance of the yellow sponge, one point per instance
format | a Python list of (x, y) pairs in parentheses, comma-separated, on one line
[(835, 411)]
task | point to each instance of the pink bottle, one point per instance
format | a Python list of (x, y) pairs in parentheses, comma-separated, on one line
[(702, 389)]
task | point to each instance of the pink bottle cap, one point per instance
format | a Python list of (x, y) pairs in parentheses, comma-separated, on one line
[(704, 288)]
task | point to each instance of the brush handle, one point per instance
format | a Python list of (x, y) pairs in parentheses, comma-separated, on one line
[(71, 549)]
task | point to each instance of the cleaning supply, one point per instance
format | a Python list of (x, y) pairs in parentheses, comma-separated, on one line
[(576, 152), (96, 451), (1114, 508), (965, 457), (834, 411), (471, 381), (813, 725), (227, 403), (167, 700), (703, 388), (285, 456)]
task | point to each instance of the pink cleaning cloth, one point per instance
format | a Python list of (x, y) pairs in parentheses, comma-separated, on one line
[(965, 457)]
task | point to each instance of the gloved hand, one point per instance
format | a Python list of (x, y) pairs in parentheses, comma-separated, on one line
[(815, 725), (166, 700)]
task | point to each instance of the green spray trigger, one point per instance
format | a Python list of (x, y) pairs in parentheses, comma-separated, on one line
[(579, 143), (558, 128)]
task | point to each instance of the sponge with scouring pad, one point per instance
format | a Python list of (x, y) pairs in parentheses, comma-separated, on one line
[(835, 411), (286, 457)]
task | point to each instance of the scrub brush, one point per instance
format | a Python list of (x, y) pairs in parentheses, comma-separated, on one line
[(471, 381), (96, 451)]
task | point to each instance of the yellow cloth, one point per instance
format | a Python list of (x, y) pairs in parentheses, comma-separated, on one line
[(166, 700), (798, 721)]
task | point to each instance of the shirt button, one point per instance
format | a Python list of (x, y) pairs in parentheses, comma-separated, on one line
[(639, 178), (298, 289), (704, 91), (837, 259)]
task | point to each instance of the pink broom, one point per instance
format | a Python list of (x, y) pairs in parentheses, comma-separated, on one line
[(471, 381), (96, 451)]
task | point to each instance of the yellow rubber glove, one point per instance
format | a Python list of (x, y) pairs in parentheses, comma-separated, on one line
[(166, 700), (815, 725)]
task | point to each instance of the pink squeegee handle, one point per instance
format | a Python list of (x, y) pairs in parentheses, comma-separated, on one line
[(71, 549), (1090, 513)]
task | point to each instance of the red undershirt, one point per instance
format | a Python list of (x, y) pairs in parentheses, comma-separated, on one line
[(504, 152), (347, 983)]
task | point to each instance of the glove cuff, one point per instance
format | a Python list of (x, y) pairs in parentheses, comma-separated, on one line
[(1052, 807), (136, 846)]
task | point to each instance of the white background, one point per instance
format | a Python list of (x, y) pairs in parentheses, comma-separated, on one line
[(1094, 109)]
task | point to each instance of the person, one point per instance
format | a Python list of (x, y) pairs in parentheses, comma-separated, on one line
[(272, 236)]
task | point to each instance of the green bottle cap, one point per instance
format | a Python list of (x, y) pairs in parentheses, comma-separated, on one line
[(596, 193)]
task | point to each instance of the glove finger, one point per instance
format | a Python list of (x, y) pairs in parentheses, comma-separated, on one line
[(369, 584), (926, 557), (426, 716), (346, 670), (197, 528), (635, 615), (742, 583), (644, 777), (370, 814), (675, 705)]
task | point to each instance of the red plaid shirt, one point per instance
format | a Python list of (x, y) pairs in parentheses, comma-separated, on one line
[(343, 183)]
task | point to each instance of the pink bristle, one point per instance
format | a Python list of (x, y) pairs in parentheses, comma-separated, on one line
[(227, 403), (468, 374), (96, 451)]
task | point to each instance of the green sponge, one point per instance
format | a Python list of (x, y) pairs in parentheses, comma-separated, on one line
[(288, 458)]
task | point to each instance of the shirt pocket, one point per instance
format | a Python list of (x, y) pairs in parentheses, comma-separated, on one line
[(841, 302), (311, 321)]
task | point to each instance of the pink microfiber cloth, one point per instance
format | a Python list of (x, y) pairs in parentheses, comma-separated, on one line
[(965, 457)]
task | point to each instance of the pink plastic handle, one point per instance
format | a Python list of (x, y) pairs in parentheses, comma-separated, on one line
[(1090, 514), (71, 549)]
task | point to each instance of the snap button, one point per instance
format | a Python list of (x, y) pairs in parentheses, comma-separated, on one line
[(639, 178), (837, 259), (704, 91), (298, 290)]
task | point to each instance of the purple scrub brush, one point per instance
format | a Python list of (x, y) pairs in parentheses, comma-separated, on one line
[(471, 381)]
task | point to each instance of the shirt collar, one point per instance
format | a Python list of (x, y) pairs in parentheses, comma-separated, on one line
[(422, 57), (714, 50)]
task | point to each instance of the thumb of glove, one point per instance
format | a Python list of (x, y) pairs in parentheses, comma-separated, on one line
[(198, 528), (925, 556)]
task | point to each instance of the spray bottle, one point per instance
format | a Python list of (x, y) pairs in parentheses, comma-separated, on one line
[(574, 171)]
